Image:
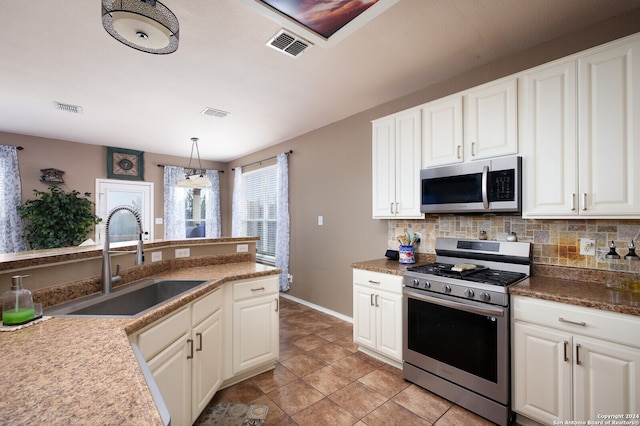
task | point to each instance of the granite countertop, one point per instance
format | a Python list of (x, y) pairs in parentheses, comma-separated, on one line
[(585, 288), (83, 371)]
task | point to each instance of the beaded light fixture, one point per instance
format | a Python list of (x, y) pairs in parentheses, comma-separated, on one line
[(145, 25)]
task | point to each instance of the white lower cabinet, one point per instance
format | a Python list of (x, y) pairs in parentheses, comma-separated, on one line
[(255, 323), (184, 353), (573, 363), (377, 313)]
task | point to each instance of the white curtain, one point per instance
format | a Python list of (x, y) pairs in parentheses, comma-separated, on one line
[(213, 206), (282, 233), (174, 204), (11, 226), (236, 207)]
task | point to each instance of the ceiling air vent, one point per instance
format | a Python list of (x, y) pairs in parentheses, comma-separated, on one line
[(288, 43), (74, 109)]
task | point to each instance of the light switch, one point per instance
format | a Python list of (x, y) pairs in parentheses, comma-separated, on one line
[(320, 220), (158, 221)]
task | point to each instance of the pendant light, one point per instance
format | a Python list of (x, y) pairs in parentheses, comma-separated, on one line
[(145, 25), (190, 180)]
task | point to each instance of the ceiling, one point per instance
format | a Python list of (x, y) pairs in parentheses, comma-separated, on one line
[(58, 51)]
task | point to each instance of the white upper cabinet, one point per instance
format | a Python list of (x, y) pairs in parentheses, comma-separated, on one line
[(580, 134), (609, 130), (396, 165), (548, 139), (491, 120), (477, 124), (442, 132)]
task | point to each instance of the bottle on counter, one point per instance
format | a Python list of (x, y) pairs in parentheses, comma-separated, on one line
[(17, 303)]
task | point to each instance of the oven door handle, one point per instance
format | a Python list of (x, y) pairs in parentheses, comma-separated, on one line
[(496, 312)]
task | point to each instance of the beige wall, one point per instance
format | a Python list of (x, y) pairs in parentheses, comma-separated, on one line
[(329, 170), (84, 163)]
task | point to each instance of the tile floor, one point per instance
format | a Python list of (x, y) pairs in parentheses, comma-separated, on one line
[(322, 379)]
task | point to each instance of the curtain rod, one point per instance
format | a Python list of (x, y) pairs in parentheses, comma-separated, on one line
[(265, 159), (190, 168)]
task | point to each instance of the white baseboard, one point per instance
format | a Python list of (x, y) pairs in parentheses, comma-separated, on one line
[(318, 308)]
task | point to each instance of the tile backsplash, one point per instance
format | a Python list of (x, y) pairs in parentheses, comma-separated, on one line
[(555, 241)]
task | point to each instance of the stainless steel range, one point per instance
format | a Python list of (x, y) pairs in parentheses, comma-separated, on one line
[(456, 338)]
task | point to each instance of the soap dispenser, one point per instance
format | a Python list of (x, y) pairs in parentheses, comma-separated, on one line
[(17, 303)]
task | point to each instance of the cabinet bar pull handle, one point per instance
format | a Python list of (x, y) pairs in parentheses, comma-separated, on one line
[(580, 323), (371, 296), (374, 282), (190, 342), (573, 201), (377, 301), (458, 152), (566, 344), (199, 336), (584, 201), (578, 362), (277, 305), (257, 289), (391, 208), (473, 149), (397, 208)]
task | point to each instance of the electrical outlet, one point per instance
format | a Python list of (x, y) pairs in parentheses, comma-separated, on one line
[(290, 277), (419, 235), (183, 252), (156, 256), (242, 248), (587, 247)]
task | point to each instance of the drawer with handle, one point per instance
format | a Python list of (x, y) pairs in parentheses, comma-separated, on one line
[(255, 287)]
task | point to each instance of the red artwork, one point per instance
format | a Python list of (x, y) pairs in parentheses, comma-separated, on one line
[(324, 17)]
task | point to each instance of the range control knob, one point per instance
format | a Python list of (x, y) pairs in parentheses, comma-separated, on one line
[(469, 293), (415, 282), (446, 288), (485, 297), (427, 284)]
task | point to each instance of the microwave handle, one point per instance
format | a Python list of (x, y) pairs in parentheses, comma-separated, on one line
[(485, 187)]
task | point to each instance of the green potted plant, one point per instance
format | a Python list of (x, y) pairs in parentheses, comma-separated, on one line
[(57, 218)]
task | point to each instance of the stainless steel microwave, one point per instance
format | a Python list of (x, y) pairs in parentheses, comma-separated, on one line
[(483, 186)]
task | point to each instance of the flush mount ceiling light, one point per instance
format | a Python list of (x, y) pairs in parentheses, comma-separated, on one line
[(145, 25), (194, 178)]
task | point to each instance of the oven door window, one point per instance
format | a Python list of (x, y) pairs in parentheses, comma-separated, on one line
[(467, 341)]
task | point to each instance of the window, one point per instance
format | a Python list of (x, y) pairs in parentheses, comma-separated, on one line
[(260, 210), (195, 213)]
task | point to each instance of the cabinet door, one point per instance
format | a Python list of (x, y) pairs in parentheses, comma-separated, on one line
[(255, 332), (364, 320), (207, 362), (606, 378), (490, 116), (609, 131), (541, 373), (408, 163), (171, 370), (549, 143), (442, 132), (388, 308), (384, 167)]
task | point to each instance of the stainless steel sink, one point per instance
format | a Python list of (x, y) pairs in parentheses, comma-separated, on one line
[(130, 301)]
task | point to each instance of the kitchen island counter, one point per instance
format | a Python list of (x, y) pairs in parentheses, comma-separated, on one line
[(83, 371)]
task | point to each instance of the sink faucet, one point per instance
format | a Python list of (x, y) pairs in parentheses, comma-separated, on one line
[(107, 279)]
